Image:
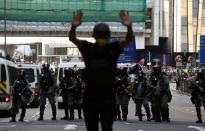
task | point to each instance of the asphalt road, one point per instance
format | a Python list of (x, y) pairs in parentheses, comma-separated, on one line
[(182, 114)]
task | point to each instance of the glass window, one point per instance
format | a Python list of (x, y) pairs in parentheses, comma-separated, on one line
[(203, 13), (38, 74), (203, 21), (3, 73), (195, 13), (184, 38), (39, 49), (30, 75), (203, 4), (195, 4), (60, 51), (184, 30), (184, 47), (12, 74), (184, 21)]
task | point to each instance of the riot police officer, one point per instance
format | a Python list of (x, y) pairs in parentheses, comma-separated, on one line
[(140, 92), (198, 94), (160, 95), (78, 93), (122, 94), (47, 89), (20, 87), (67, 86)]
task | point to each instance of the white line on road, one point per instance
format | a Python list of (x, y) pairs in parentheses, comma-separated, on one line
[(197, 128), (127, 123), (8, 126), (70, 127), (37, 114), (140, 130)]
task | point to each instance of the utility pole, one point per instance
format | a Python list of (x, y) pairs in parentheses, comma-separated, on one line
[(5, 27), (195, 44), (172, 34)]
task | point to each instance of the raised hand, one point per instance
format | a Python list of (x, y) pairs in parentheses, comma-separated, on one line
[(77, 16), (125, 19)]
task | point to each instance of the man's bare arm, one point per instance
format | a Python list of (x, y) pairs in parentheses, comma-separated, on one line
[(125, 20), (75, 23)]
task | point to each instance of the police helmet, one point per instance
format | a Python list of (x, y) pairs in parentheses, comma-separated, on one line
[(67, 72), (156, 70), (21, 73), (46, 66)]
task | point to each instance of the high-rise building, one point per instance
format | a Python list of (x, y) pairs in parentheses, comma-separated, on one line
[(189, 24)]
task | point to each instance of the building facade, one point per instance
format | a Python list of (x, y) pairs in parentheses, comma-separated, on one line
[(189, 24), (150, 36)]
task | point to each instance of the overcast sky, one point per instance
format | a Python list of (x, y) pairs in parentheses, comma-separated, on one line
[(25, 49)]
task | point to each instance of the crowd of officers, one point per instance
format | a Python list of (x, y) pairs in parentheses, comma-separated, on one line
[(150, 90), (71, 89), (145, 90)]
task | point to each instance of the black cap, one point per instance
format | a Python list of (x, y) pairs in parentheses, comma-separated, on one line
[(101, 30)]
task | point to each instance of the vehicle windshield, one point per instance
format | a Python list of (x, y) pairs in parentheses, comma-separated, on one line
[(30, 75), (3, 73)]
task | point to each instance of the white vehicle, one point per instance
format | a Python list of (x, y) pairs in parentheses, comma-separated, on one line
[(8, 74), (32, 76), (2, 53), (71, 64)]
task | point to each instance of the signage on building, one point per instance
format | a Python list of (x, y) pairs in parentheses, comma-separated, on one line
[(129, 52), (61, 45), (202, 50)]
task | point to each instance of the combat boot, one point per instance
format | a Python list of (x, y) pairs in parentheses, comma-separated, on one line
[(139, 111), (79, 113), (13, 119), (66, 117), (124, 112), (140, 117), (119, 117), (71, 114), (53, 112), (198, 112), (22, 114), (148, 112), (124, 118), (42, 108), (40, 118), (199, 121)]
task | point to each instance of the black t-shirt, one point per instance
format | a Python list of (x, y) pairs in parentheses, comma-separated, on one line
[(100, 70)]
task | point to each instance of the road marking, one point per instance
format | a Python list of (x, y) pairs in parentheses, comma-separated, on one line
[(140, 130), (37, 114), (70, 127), (197, 128), (127, 123), (9, 126), (185, 111), (182, 110)]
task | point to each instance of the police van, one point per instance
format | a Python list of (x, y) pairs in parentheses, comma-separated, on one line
[(33, 72), (8, 74), (74, 64)]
